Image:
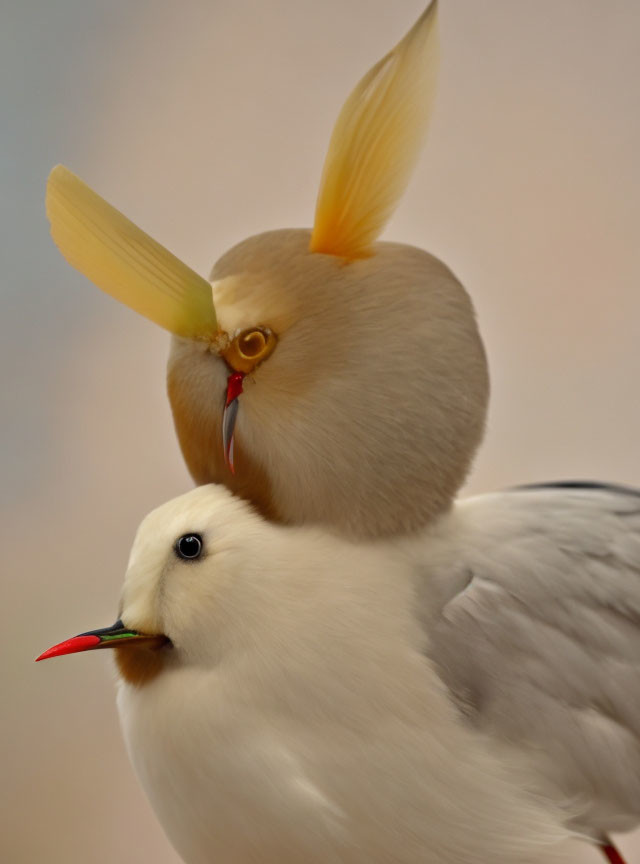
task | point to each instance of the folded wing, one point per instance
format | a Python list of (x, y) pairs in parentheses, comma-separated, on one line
[(536, 631)]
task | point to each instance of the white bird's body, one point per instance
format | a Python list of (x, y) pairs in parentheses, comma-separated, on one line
[(322, 730), (297, 718), (532, 604)]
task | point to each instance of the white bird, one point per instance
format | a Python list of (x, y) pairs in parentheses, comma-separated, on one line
[(278, 706)]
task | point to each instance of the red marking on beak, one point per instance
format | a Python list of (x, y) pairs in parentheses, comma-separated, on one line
[(611, 853), (234, 387), (71, 646), (229, 415), (105, 637)]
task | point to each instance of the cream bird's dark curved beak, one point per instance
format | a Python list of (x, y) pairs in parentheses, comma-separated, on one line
[(107, 637), (229, 416), (246, 351)]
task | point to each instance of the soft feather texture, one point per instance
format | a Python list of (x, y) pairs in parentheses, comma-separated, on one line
[(532, 604), (298, 718), (375, 144), (126, 263), (378, 384)]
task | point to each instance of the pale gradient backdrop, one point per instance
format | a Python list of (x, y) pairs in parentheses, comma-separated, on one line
[(206, 122)]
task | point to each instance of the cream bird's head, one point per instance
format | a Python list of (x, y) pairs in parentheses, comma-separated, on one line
[(323, 375)]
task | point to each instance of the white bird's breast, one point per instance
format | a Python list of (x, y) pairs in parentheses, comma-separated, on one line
[(237, 777), (223, 786)]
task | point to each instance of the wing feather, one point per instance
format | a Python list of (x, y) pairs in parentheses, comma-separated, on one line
[(540, 643)]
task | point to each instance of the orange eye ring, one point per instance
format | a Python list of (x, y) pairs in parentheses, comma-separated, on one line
[(249, 348)]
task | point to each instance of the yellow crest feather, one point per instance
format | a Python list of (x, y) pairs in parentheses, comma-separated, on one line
[(123, 261), (375, 144)]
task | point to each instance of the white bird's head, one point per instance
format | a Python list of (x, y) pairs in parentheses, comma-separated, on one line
[(194, 561), (208, 579), (363, 377)]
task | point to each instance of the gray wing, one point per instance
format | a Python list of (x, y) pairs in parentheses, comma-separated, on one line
[(536, 631)]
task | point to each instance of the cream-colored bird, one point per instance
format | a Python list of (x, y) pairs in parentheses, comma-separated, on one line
[(344, 381), (278, 706), (364, 377)]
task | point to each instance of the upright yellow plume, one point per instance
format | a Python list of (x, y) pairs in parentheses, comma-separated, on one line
[(122, 260), (375, 144)]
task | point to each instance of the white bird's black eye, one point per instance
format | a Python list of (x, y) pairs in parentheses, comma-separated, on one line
[(189, 546)]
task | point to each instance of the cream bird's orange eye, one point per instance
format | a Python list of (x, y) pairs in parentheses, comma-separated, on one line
[(189, 547), (249, 348)]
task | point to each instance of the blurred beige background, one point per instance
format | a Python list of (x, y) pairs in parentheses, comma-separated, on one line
[(206, 122)]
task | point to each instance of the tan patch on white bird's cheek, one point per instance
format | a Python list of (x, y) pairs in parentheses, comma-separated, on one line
[(139, 664)]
